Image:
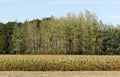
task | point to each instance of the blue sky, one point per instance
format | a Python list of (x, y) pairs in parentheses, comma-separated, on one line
[(106, 10)]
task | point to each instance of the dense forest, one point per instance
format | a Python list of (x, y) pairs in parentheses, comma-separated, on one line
[(72, 34)]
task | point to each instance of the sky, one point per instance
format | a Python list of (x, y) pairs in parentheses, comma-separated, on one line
[(106, 10)]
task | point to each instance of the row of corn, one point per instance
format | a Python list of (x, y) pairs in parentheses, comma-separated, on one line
[(59, 63)]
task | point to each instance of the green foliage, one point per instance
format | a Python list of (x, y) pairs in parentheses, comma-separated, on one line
[(2, 44), (73, 34)]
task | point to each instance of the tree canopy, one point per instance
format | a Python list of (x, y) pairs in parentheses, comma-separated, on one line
[(72, 34)]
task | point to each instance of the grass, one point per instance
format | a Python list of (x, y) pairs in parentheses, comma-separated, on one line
[(59, 63)]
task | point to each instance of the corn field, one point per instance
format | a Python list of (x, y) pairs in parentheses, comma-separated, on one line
[(59, 63)]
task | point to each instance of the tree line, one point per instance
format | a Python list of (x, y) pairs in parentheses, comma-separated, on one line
[(72, 34)]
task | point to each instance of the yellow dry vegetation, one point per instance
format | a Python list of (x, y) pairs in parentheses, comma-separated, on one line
[(59, 63)]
